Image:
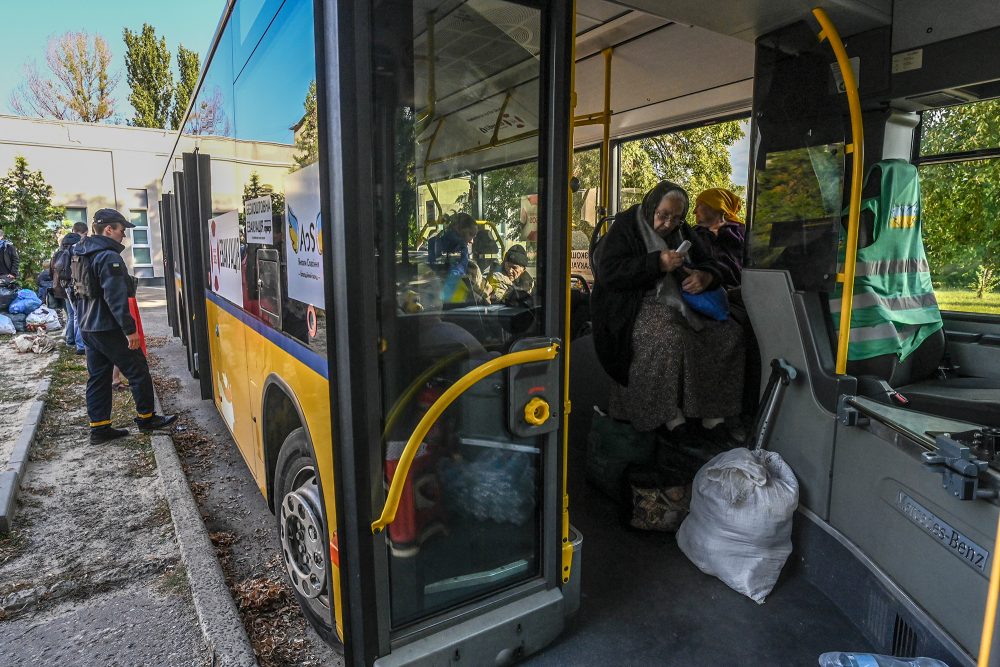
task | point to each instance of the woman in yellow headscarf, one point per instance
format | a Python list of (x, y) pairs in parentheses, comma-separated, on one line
[(722, 231)]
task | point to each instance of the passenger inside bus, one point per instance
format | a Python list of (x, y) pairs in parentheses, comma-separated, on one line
[(722, 231), (453, 246), (512, 283), (667, 362)]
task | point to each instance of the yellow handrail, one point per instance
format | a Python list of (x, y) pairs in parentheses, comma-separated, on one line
[(567, 546), (990, 618), (830, 33), (434, 412)]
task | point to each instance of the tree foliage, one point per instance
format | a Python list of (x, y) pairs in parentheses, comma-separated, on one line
[(188, 66), (77, 84), (147, 70), (307, 130), (208, 115), (961, 200), (27, 216)]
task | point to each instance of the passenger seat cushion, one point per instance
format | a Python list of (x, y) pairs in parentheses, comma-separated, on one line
[(975, 400)]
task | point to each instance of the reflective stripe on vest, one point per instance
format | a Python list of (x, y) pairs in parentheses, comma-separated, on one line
[(894, 308)]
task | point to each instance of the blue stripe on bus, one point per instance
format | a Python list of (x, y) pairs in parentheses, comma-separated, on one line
[(313, 360)]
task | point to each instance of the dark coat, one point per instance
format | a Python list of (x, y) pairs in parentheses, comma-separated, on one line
[(726, 248), (625, 271), (107, 309), (10, 263)]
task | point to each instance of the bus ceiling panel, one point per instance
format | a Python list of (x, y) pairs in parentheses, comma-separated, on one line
[(749, 19), (916, 23), (643, 76), (719, 102), (615, 33)]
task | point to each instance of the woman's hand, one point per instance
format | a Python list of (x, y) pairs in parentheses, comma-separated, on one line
[(670, 260), (696, 282)]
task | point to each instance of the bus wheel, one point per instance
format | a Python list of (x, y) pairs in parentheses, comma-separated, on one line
[(302, 534)]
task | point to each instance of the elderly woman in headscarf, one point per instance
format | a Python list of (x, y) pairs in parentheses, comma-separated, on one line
[(722, 231), (668, 362)]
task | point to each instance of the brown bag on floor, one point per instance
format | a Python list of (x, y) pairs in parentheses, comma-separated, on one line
[(656, 501)]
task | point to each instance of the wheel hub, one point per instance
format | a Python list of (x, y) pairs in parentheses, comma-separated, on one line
[(302, 538)]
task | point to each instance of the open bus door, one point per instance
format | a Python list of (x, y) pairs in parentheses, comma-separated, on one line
[(448, 407)]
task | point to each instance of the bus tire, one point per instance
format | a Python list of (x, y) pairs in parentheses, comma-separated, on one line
[(302, 533)]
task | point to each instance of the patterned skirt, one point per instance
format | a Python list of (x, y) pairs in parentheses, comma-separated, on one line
[(679, 371)]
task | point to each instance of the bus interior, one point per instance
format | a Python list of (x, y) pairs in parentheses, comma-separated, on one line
[(466, 103)]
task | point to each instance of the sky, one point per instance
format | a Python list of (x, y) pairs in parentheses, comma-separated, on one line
[(189, 22)]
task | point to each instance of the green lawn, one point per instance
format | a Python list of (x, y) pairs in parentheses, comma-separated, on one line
[(966, 301)]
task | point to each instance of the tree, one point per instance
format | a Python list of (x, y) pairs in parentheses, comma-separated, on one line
[(28, 216), (147, 70), (254, 188), (77, 85), (307, 130), (208, 115), (188, 66), (961, 200)]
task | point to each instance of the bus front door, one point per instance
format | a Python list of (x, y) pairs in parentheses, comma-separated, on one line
[(461, 405)]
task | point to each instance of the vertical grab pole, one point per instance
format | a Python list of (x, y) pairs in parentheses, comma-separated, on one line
[(606, 122), (990, 617), (829, 32), (567, 546)]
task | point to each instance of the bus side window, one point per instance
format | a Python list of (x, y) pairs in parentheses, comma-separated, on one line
[(269, 286)]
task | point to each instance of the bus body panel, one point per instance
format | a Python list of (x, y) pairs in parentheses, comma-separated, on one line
[(272, 360)]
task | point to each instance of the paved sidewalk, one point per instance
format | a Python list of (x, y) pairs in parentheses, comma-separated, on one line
[(91, 572)]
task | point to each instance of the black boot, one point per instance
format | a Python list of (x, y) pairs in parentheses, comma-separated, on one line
[(155, 422), (102, 434)]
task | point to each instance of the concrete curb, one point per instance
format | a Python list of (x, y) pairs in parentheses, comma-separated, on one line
[(220, 621), (13, 472)]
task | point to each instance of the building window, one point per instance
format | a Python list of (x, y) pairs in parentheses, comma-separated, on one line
[(142, 254), (75, 214)]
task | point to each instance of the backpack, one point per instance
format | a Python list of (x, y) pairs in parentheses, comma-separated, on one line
[(83, 277), (61, 269)]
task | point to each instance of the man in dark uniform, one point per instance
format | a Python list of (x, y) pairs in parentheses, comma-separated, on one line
[(102, 287)]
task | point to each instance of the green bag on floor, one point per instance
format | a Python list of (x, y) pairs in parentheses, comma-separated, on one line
[(612, 446)]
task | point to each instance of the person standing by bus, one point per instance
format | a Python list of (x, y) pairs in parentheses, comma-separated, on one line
[(102, 287)]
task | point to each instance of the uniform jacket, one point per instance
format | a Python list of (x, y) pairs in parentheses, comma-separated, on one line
[(107, 310), (625, 271)]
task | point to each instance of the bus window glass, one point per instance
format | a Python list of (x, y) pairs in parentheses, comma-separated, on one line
[(458, 117), (797, 213), (712, 156), (962, 128), (212, 111), (278, 177), (960, 201)]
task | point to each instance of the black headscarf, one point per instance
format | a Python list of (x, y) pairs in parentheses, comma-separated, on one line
[(653, 198)]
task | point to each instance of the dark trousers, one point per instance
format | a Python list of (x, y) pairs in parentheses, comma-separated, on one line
[(105, 350)]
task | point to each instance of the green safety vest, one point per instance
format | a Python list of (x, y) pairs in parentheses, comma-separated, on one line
[(894, 309)]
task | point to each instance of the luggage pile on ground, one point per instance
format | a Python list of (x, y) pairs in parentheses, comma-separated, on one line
[(22, 311)]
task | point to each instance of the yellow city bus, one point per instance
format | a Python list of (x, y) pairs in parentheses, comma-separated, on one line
[(423, 445)]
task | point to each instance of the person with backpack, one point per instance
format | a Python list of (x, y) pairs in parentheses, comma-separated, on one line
[(60, 266), (102, 286), (10, 263)]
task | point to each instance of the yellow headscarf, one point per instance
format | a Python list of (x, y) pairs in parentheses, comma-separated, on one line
[(723, 200)]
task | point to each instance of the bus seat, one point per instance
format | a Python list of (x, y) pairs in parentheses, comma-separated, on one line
[(921, 381)]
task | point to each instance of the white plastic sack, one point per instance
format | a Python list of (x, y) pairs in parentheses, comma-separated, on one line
[(7, 325), (44, 315), (740, 525)]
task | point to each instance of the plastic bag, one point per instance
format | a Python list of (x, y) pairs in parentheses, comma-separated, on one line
[(496, 485), (44, 316), (611, 446), (710, 303), (6, 325), (839, 659), (25, 302), (740, 525), (18, 320), (7, 296)]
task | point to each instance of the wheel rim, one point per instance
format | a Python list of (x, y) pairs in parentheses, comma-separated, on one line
[(302, 543)]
